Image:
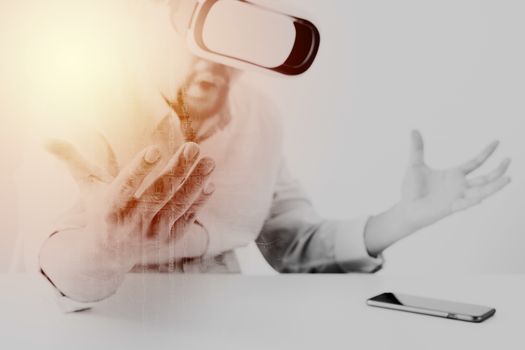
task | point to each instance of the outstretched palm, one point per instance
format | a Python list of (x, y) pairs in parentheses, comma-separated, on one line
[(429, 195)]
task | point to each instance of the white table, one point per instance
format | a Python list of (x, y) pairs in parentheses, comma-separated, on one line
[(160, 311)]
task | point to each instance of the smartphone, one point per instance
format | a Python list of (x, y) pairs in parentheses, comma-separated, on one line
[(432, 307)]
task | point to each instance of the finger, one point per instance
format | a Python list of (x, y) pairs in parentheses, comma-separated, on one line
[(189, 191), (480, 193), (475, 163), (202, 199), (181, 164), (155, 196), (130, 179), (111, 159), (79, 167), (188, 239), (476, 195), (417, 149), (492, 176), (171, 177), (179, 224)]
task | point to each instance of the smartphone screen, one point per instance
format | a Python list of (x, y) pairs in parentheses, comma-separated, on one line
[(433, 307)]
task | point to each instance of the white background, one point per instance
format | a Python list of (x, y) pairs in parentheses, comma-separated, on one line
[(453, 69)]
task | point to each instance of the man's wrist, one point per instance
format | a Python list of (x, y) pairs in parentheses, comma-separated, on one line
[(385, 229), (78, 270)]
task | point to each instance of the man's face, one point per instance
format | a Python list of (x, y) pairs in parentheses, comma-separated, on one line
[(206, 84), (206, 87)]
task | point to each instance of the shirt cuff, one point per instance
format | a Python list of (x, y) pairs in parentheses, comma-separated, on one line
[(350, 249), (65, 304)]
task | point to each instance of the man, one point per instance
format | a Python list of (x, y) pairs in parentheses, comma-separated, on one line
[(181, 206)]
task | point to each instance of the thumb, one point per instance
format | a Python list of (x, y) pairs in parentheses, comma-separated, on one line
[(78, 166), (417, 149)]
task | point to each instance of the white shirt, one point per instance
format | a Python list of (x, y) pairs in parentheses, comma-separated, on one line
[(256, 199)]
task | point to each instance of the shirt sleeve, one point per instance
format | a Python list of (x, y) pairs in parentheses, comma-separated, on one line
[(66, 304), (72, 220), (295, 239)]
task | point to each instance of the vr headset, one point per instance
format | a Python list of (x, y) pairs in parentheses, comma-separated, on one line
[(247, 35)]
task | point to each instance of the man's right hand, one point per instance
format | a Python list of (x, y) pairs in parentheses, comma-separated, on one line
[(136, 212), (137, 217)]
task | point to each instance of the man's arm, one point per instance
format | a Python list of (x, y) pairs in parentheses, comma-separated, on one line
[(78, 269), (295, 238), (122, 223)]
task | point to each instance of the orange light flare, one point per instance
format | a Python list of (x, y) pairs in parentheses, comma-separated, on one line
[(71, 62)]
